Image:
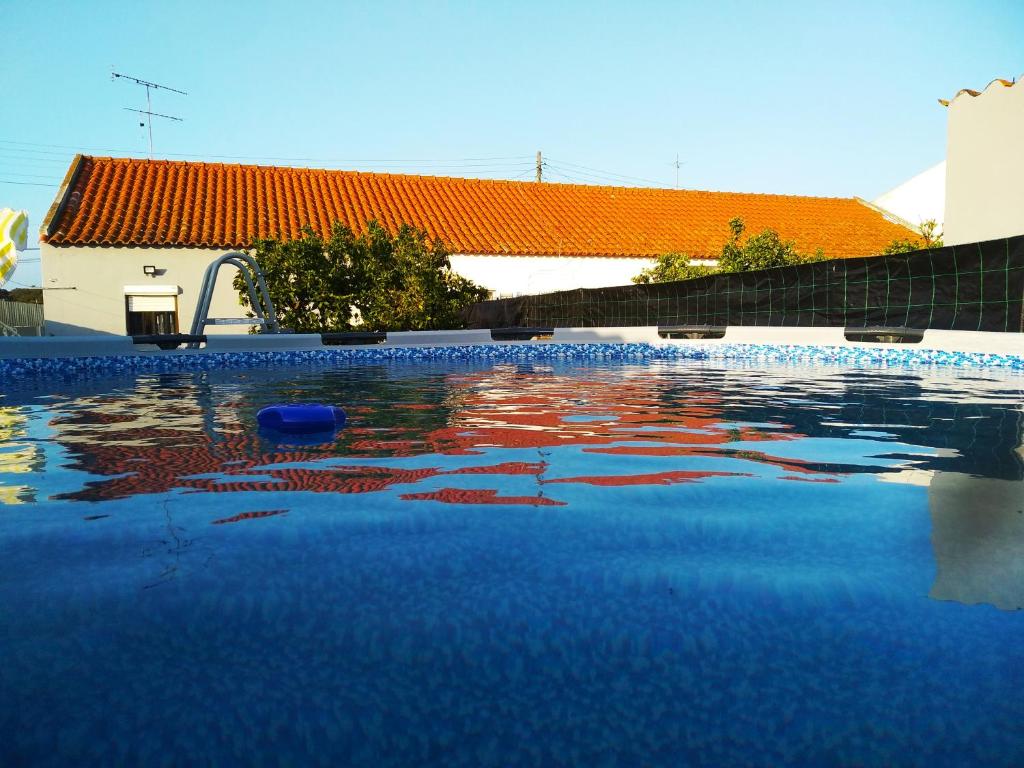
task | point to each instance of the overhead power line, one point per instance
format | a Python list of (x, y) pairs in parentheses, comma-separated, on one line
[(586, 177), (422, 161), (514, 167), (5, 154), (17, 164), (527, 172), (552, 170), (598, 172), (29, 175), (28, 183)]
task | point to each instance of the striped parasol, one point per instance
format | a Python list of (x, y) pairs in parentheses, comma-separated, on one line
[(13, 238)]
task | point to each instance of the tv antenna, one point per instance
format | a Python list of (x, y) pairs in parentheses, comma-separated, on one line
[(148, 111), (678, 164)]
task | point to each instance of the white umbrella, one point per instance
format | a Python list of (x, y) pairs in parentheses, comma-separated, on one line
[(13, 238)]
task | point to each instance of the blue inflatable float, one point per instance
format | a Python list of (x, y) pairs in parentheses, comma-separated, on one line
[(301, 419)]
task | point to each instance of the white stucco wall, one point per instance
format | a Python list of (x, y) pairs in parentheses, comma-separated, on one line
[(918, 199), (83, 288), (518, 275), (985, 165)]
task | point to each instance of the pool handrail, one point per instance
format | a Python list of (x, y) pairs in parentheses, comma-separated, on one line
[(262, 305)]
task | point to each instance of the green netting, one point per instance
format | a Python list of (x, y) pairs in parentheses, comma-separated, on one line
[(973, 287)]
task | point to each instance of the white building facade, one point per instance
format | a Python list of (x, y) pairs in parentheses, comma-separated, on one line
[(985, 164), (96, 290), (523, 275), (93, 289), (919, 199), (126, 243)]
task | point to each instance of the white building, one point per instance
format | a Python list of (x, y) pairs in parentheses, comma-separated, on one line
[(985, 164), (919, 199), (126, 242), (976, 193)]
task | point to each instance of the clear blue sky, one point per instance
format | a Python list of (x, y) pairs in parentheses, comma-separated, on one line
[(816, 98)]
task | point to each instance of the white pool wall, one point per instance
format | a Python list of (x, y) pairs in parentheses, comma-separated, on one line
[(28, 347)]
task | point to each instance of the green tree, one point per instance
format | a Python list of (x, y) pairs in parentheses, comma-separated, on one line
[(929, 239), (372, 281), (405, 282), (673, 266), (761, 251), (24, 295), (901, 246)]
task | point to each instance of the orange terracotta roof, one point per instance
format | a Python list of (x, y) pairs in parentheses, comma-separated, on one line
[(155, 203)]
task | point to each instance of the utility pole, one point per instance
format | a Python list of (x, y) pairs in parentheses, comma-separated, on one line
[(677, 164), (540, 166), (148, 111)]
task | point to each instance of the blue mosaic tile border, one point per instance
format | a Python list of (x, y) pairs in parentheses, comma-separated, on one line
[(14, 369)]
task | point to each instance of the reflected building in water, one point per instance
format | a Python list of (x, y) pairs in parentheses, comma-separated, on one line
[(978, 539), (958, 438)]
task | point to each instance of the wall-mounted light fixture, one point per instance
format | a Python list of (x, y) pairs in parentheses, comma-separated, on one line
[(149, 270)]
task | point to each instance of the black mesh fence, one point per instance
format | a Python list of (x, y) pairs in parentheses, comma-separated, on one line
[(973, 287)]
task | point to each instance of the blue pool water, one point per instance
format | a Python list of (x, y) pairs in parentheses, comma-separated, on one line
[(547, 563)]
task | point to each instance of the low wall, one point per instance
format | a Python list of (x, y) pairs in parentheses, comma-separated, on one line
[(20, 348), (974, 287)]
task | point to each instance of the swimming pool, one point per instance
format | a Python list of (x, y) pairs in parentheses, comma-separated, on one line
[(595, 560)]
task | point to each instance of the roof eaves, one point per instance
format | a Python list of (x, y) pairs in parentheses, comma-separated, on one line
[(889, 215), (60, 201)]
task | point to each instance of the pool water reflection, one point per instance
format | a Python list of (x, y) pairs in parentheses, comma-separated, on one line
[(659, 563)]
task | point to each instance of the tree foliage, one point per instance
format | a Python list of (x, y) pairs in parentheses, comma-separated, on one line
[(374, 281), (673, 266), (929, 239), (24, 295), (761, 251)]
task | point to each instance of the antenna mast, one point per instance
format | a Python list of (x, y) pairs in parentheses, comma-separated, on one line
[(148, 111), (678, 165)]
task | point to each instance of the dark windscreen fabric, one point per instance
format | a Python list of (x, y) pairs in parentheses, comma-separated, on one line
[(971, 287)]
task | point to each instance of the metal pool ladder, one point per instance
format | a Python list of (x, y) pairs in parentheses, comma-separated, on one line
[(262, 306)]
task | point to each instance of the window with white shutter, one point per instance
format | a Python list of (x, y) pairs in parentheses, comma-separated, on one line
[(151, 310)]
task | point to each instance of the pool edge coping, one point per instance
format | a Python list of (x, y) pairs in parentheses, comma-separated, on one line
[(118, 355)]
